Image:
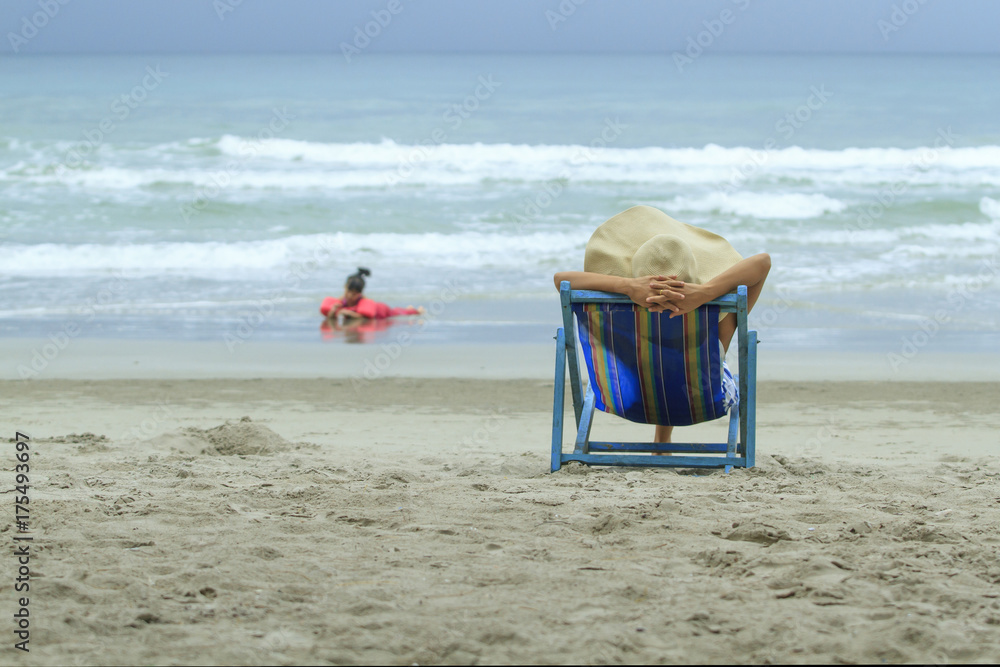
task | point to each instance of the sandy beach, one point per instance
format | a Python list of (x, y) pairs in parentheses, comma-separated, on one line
[(414, 521)]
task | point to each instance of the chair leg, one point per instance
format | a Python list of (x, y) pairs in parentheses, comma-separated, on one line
[(732, 444), (558, 401), (586, 421), (751, 435)]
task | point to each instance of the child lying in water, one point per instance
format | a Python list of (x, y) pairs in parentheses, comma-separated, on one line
[(353, 304)]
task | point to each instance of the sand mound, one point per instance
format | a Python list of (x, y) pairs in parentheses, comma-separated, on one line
[(86, 443), (241, 438), (78, 438)]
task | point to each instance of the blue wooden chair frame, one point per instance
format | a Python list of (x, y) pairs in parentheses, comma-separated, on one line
[(736, 452)]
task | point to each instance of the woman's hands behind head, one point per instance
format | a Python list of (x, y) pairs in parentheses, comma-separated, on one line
[(658, 293), (679, 298)]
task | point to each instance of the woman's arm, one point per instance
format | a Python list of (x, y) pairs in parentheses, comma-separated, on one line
[(751, 272), (640, 290)]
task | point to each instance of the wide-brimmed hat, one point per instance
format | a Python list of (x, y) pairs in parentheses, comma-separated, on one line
[(644, 241)]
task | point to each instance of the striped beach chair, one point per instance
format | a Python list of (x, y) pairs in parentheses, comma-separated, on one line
[(652, 369)]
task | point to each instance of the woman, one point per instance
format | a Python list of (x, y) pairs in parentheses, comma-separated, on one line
[(354, 304), (666, 265)]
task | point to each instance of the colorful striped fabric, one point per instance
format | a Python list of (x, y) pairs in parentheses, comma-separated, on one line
[(649, 368)]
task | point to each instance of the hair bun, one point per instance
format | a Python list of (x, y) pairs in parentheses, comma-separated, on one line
[(362, 271)]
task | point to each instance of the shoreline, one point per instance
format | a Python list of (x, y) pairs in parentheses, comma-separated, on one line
[(100, 359)]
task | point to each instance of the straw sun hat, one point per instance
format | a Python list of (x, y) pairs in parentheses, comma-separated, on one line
[(644, 241)]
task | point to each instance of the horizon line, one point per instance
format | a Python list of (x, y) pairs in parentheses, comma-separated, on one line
[(505, 52)]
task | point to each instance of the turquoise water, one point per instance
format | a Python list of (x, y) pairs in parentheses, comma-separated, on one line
[(184, 197)]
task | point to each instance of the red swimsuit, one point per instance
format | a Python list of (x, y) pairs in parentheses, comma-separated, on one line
[(366, 308)]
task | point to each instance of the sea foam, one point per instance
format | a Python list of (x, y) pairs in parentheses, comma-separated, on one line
[(273, 257), (291, 164)]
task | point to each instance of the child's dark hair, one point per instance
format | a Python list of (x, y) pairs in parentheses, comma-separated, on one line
[(356, 282)]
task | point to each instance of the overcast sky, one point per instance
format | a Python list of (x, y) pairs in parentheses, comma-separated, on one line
[(602, 26)]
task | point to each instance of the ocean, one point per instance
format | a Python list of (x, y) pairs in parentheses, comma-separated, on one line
[(172, 197)]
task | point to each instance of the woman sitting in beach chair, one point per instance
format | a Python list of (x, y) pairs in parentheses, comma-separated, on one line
[(665, 265)]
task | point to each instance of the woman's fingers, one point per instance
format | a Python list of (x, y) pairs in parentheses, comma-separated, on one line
[(681, 310), (673, 290), (665, 295), (659, 304)]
